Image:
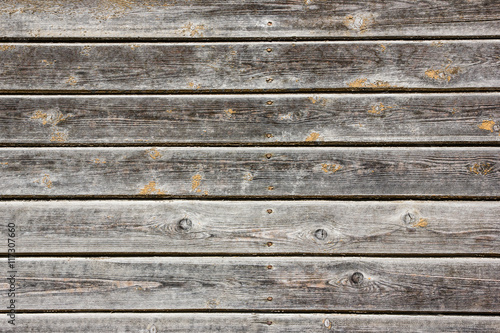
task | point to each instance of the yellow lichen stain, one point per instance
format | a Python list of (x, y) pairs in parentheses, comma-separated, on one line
[(437, 44), (196, 183), (248, 177), (168, 111), (481, 168), (445, 73), (379, 109), (99, 161), (58, 136), (134, 46), (86, 50), (192, 85), (49, 118), (358, 22), (45, 180), (332, 168), (7, 47), (422, 223), (4, 163), (383, 47), (153, 153), (313, 137), (320, 100), (192, 30), (72, 81), (362, 83), (487, 125), (151, 189), (229, 112), (48, 63)]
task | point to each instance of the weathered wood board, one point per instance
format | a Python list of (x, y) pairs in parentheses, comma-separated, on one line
[(252, 323), (250, 172), (246, 19), (257, 66), (257, 283), (255, 227), (265, 119)]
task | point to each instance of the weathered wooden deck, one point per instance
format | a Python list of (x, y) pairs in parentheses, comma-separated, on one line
[(250, 166)]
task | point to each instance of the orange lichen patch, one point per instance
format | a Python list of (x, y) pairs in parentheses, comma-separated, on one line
[(313, 137), (196, 182), (332, 168), (59, 136), (192, 85), (379, 109), (358, 22), (86, 50), (248, 177), (153, 153), (443, 74), (487, 125), (319, 100), (437, 44), (169, 111), (48, 63), (192, 30), (327, 323), (422, 223), (481, 168), (50, 117), (151, 189), (229, 112), (72, 81), (362, 83), (133, 47), (4, 163), (45, 180), (99, 161), (383, 47), (7, 47)]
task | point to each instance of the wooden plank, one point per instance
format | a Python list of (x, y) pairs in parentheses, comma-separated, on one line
[(290, 118), (254, 227), (258, 66), (238, 322), (258, 283), (244, 19), (250, 172)]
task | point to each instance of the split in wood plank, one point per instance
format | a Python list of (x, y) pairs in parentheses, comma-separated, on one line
[(258, 283), (247, 67), (251, 172), (195, 19), (254, 227), (265, 119)]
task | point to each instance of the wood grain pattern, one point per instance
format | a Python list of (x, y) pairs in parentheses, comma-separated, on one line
[(276, 119), (216, 67), (250, 172), (253, 323), (242, 19), (271, 283), (232, 227)]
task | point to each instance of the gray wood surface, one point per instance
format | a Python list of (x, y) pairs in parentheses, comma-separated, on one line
[(270, 119), (259, 283), (254, 227), (255, 323), (254, 19), (250, 172), (215, 67)]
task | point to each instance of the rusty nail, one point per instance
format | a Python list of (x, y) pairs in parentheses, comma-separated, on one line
[(269, 298), (269, 243), (269, 322), (269, 102), (269, 211), (269, 135), (268, 156), (269, 49), (269, 266)]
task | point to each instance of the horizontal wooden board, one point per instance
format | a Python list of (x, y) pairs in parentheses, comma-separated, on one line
[(254, 227), (250, 172), (258, 66), (256, 283), (238, 322), (246, 19), (281, 118)]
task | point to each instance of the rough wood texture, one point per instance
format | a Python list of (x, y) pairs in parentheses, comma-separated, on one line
[(251, 172), (231, 227), (252, 323), (305, 118), (256, 283), (254, 19), (190, 67)]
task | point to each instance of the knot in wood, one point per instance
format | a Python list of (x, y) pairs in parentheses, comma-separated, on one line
[(409, 218), (357, 278), (185, 224), (320, 234)]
